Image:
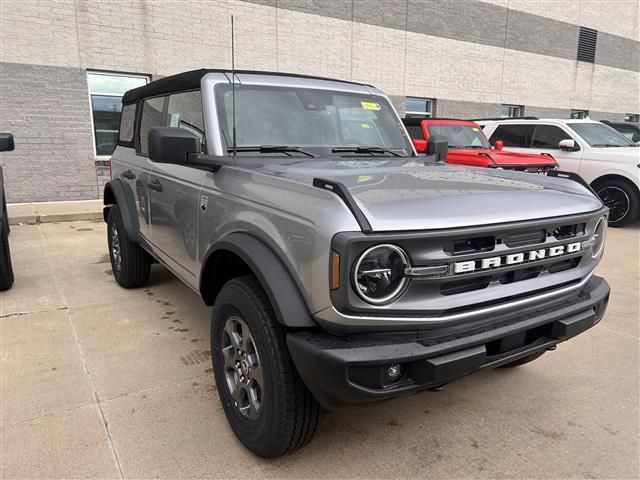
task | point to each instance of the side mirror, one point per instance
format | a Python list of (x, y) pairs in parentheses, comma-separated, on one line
[(6, 142), (438, 146), (172, 145), (420, 145), (499, 145), (567, 144)]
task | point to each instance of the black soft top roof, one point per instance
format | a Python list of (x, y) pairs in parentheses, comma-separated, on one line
[(191, 81)]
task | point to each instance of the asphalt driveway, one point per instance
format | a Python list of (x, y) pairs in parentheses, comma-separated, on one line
[(98, 381)]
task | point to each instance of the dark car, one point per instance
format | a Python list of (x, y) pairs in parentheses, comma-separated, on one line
[(6, 272), (631, 130)]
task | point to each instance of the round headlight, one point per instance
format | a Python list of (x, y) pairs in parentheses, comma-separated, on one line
[(379, 274), (599, 236)]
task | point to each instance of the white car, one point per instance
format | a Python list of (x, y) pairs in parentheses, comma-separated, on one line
[(603, 157)]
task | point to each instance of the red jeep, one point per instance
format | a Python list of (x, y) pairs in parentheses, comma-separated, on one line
[(469, 146)]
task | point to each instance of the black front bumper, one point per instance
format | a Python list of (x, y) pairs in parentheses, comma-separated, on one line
[(350, 370)]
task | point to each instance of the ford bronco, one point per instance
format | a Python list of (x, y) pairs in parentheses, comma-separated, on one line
[(342, 268), (469, 146)]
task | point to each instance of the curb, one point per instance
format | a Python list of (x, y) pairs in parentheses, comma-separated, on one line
[(49, 212)]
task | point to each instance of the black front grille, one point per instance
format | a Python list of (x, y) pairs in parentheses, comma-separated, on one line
[(525, 273), (521, 239), (487, 263), (471, 245), (466, 285), (569, 231)]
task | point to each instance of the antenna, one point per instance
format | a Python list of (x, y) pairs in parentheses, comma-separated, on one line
[(233, 89)]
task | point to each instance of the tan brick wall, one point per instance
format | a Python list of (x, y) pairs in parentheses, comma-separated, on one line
[(162, 37)]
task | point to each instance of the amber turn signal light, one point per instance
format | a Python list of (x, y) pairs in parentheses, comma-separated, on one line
[(334, 279)]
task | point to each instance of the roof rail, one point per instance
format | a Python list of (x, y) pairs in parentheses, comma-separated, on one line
[(503, 118)]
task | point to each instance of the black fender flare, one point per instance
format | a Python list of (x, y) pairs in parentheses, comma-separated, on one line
[(284, 295), (119, 193), (3, 204)]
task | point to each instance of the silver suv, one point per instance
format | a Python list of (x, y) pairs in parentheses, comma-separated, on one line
[(342, 268)]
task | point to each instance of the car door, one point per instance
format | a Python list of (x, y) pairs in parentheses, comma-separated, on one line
[(546, 139), (132, 168), (175, 191)]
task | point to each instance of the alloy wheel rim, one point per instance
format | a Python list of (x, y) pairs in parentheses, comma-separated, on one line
[(617, 201), (115, 248), (242, 367)]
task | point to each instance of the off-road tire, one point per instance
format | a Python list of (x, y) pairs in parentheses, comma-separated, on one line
[(523, 360), (624, 189), (288, 414), (6, 269), (134, 266)]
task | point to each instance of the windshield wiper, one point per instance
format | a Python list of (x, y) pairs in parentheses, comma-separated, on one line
[(271, 149), (362, 149), (598, 145)]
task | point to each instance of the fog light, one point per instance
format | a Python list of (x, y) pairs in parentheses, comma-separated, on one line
[(395, 372)]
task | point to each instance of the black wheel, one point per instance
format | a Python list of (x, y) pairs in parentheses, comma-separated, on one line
[(622, 199), (523, 360), (130, 263), (267, 405), (6, 270)]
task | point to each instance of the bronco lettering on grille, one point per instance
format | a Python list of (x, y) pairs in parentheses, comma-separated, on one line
[(516, 258)]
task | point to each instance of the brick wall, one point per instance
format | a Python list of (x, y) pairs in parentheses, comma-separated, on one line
[(47, 110)]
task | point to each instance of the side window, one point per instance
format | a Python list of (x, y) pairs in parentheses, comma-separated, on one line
[(415, 132), (185, 111), (127, 122), (629, 132), (151, 117), (548, 136), (513, 135)]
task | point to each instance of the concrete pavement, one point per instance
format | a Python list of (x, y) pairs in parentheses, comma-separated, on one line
[(44, 212), (101, 382)]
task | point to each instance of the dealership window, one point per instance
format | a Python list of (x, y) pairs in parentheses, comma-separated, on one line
[(419, 107), (512, 111), (105, 93), (578, 114), (632, 117)]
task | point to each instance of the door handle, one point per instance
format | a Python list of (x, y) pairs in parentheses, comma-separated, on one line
[(155, 185), (129, 174)]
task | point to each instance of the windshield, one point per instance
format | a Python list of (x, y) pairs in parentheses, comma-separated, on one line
[(600, 135), (461, 136), (313, 120)]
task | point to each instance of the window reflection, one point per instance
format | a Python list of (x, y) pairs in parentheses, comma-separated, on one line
[(106, 90)]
